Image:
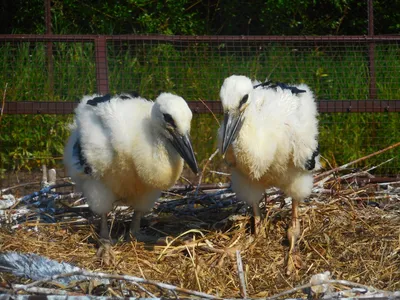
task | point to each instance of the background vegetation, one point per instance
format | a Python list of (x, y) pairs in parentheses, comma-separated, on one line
[(232, 17), (196, 70)]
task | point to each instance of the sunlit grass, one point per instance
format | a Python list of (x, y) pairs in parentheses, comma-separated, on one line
[(197, 72)]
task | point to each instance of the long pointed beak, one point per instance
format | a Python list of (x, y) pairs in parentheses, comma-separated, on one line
[(183, 145), (232, 125)]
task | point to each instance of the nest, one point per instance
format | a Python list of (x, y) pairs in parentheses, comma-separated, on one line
[(350, 227)]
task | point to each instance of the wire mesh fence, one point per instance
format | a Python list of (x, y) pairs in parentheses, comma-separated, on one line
[(355, 79)]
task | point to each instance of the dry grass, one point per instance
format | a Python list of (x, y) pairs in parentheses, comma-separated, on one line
[(342, 233), (350, 228)]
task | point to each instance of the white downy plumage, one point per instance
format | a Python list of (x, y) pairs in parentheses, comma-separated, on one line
[(128, 149), (269, 137)]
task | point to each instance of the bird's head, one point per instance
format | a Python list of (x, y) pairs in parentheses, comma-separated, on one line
[(173, 117), (235, 98)]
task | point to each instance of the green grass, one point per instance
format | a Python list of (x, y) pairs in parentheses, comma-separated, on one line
[(197, 72)]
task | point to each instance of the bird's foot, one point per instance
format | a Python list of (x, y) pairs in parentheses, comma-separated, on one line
[(294, 261), (105, 252), (145, 238)]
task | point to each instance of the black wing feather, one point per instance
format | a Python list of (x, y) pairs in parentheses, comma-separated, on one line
[(134, 94), (283, 86), (310, 163), (107, 97), (100, 99), (82, 163), (129, 95)]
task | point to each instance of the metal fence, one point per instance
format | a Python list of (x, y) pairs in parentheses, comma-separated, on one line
[(356, 80)]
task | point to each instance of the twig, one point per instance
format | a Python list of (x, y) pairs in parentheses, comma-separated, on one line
[(117, 277), (242, 282), (187, 180), (353, 175), (39, 290), (6, 291), (322, 181), (71, 196), (177, 238), (355, 161), (388, 183), (353, 284), (220, 173), (194, 266), (113, 293), (204, 168), (308, 285), (143, 289), (224, 200), (366, 172), (210, 110), (46, 190), (297, 288), (204, 186), (372, 198), (3, 102), (18, 186), (377, 166)]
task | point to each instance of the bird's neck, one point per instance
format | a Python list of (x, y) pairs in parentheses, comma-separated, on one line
[(162, 147)]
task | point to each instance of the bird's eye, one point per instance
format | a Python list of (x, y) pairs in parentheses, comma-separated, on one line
[(244, 100), (168, 118)]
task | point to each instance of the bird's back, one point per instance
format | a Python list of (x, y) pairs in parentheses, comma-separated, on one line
[(109, 128), (118, 142), (280, 130)]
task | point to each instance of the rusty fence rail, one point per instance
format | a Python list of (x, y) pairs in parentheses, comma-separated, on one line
[(199, 107), (102, 43), (356, 79)]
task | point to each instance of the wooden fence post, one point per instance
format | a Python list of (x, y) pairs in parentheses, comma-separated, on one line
[(101, 65), (371, 52)]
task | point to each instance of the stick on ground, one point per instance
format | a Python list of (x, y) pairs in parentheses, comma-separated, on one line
[(137, 280), (242, 281), (355, 161)]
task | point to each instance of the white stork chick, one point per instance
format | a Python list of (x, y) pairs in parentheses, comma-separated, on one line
[(129, 149), (269, 136)]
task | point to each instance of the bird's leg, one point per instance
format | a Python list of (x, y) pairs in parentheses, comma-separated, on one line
[(294, 230), (135, 229), (105, 251), (293, 234), (104, 228), (135, 224), (257, 218)]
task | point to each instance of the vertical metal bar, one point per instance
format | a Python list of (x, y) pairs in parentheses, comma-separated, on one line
[(49, 47), (47, 9), (101, 65), (371, 52), (370, 17)]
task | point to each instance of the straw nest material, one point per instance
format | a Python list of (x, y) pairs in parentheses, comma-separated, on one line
[(350, 228)]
